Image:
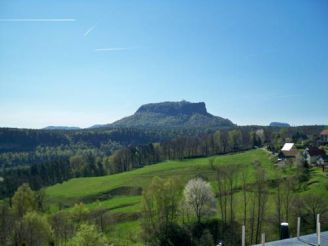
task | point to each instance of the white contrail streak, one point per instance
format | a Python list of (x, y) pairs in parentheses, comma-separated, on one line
[(37, 20), (87, 32), (111, 49)]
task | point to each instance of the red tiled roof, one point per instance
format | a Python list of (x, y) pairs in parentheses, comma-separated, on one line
[(324, 132)]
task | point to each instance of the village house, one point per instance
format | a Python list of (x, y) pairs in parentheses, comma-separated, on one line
[(324, 136), (312, 154), (289, 150), (322, 160)]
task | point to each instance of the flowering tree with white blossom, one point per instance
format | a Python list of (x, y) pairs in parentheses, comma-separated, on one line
[(199, 198)]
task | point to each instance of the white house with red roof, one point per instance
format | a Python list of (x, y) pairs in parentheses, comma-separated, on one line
[(324, 136)]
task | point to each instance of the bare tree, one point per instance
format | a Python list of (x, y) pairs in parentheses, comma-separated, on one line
[(290, 184), (252, 214), (7, 223), (226, 180), (222, 183), (232, 176), (315, 204), (63, 227), (217, 142), (101, 217), (260, 192), (279, 202), (40, 199), (284, 199), (244, 179)]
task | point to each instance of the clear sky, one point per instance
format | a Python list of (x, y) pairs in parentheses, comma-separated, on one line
[(88, 62)]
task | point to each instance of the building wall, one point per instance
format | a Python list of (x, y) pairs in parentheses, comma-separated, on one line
[(324, 138), (290, 153), (313, 159)]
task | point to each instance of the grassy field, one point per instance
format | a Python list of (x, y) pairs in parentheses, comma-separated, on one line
[(121, 193)]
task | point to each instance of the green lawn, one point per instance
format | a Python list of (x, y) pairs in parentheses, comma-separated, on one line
[(77, 188), (90, 190)]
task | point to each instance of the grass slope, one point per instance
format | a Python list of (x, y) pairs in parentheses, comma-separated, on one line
[(121, 193), (76, 189)]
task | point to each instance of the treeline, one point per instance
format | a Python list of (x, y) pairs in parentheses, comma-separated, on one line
[(82, 161), (22, 147), (213, 143), (50, 165), (25, 140), (43, 154), (219, 142), (82, 164)]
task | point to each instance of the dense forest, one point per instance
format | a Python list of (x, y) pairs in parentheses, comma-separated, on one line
[(198, 212), (44, 157)]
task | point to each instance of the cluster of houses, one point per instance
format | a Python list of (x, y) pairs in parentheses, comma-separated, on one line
[(312, 155)]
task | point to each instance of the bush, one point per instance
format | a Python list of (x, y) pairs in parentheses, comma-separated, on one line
[(88, 235)]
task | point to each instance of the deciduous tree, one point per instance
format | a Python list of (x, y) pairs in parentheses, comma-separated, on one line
[(199, 198), (23, 200), (160, 210), (34, 229), (88, 235)]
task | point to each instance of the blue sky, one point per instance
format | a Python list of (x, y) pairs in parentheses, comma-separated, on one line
[(88, 62)]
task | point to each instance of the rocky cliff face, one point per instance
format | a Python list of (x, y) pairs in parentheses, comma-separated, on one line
[(174, 108), (279, 124), (173, 114)]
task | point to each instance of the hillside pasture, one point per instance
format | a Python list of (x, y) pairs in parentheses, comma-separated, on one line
[(121, 193)]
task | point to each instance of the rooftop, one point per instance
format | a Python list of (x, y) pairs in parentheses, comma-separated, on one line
[(310, 239), (324, 132), (287, 146), (314, 151)]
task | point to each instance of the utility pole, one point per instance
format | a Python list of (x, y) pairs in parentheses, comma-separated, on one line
[(263, 239), (298, 227), (318, 230), (243, 235)]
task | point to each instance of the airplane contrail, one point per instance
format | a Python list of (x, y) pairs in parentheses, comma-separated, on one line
[(111, 49), (37, 20), (87, 32)]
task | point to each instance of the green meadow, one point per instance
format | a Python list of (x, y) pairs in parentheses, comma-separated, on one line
[(121, 193)]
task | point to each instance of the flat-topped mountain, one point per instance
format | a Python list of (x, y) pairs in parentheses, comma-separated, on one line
[(61, 128), (174, 108), (173, 114), (279, 124)]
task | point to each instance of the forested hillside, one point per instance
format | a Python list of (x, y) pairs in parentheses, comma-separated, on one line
[(154, 205), (124, 205), (42, 157)]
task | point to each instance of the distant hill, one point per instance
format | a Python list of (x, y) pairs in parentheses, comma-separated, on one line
[(61, 128), (279, 124), (173, 114)]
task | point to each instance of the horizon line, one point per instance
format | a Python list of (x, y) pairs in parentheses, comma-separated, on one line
[(90, 127)]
